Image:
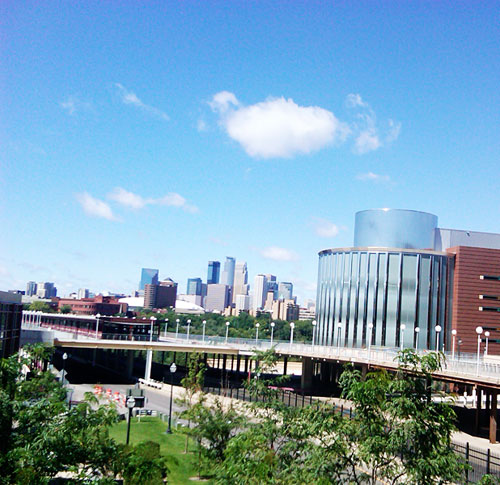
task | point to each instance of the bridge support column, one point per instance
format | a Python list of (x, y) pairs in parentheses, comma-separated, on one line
[(306, 379), (246, 364), (285, 362), (130, 363), (479, 398), (493, 416), (238, 362), (149, 362)]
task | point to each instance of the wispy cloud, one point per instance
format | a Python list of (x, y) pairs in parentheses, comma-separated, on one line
[(277, 127), (135, 201), (73, 105), (373, 177), (325, 228), (279, 254), (95, 207), (368, 136), (130, 98)]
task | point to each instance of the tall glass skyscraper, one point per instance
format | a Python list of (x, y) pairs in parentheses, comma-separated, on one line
[(194, 286), (228, 273), (148, 277), (213, 275)]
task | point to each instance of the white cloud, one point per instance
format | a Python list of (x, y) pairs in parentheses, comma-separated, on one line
[(325, 228), (368, 137), (373, 177), (95, 207), (222, 101), (367, 141), (126, 198), (129, 97), (279, 254), (73, 105), (201, 125), (135, 201), (278, 127)]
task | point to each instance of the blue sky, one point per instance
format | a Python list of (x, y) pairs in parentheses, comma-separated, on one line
[(167, 134)]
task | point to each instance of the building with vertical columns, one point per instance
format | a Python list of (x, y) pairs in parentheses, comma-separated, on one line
[(403, 279)]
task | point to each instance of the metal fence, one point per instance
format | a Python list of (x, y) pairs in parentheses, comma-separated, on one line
[(478, 462)]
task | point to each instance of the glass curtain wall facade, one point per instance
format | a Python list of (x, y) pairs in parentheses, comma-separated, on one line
[(368, 293)]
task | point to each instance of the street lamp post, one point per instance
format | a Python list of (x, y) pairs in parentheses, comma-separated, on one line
[(438, 329), (97, 325), (487, 335), (64, 357), (203, 335), (370, 328), (459, 344), (453, 337), (177, 328), (153, 319), (314, 332), (166, 325), (417, 333), (292, 326), (173, 368), (272, 332), (130, 406), (189, 327), (479, 331), (227, 331), (402, 343), (339, 328), (257, 325)]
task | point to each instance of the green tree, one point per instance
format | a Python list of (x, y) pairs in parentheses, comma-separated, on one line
[(66, 309), (41, 436), (41, 306), (143, 464)]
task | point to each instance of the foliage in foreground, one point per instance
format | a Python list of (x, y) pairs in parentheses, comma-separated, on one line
[(398, 434), (42, 437)]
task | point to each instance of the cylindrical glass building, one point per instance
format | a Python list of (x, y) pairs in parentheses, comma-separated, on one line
[(384, 293)]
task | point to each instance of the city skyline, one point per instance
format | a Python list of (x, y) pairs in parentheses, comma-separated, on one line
[(165, 136)]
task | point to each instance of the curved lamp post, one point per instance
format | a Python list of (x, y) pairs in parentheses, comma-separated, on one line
[(272, 332), (153, 320), (173, 368), (257, 325), (339, 329), (189, 327), (314, 322), (479, 331), (453, 337), (97, 325), (370, 328), (438, 329), (130, 406), (292, 326), (203, 336), (227, 331), (64, 358)]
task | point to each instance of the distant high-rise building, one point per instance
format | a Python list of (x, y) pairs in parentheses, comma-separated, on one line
[(83, 293), (240, 280), (46, 290), (30, 288), (148, 277), (285, 291), (194, 286), (242, 303), (213, 275), (162, 295), (228, 273), (11, 310), (218, 297), (259, 291), (272, 285)]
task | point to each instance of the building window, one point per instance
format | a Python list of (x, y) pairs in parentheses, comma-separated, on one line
[(489, 277)]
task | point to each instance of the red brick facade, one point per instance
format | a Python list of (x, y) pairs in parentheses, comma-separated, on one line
[(470, 264), (105, 305)]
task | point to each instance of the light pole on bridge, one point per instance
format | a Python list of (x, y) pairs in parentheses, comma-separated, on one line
[(272, 332), (292, 326), (97, 325), (314, 332)]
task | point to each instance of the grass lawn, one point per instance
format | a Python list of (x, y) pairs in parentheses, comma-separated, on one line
[(181, 465)]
